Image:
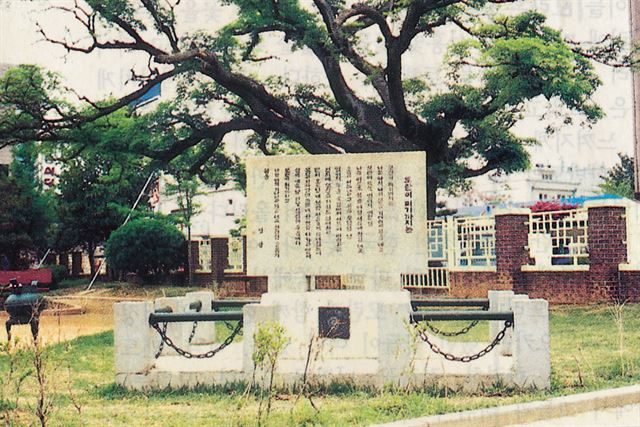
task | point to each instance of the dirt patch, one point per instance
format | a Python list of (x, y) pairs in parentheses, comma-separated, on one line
[(96, 305), (55, 327)]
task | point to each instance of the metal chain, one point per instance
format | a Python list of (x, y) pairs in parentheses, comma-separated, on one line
[(190, 355), (193, 331), (164, 331), (452, 334), (231, 327), (465, 359)]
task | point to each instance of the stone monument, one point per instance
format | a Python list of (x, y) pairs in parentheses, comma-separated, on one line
[(359, 217)]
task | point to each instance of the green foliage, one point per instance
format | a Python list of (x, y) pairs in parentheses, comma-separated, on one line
[(27, 95), (24, 222), (145, 247), (58, 273), (365, 101), (269, 341), (619, 179), (100, 176)]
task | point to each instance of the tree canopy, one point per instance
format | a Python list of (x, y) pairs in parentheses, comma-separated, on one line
[(99, 182), (619, 179), (27, 214), (367, 101)]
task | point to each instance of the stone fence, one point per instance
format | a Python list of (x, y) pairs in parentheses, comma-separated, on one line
[(380, 350)]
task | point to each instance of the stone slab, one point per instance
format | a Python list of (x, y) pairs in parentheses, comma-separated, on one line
[(337, 215)]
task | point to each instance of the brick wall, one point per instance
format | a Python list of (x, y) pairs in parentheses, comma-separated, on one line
[(630, 283), (238, 285), (219, 257), (603, 282), (607, 249), (475, 284), (558, 287), (511, 239), (195, 253)]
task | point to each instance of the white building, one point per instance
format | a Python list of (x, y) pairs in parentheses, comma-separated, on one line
[(542, 182), (218, 209)]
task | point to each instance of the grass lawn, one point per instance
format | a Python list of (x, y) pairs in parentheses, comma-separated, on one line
[(587, 353)]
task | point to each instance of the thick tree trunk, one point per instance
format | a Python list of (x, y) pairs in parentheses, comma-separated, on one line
[(92, 260), (432, 188)]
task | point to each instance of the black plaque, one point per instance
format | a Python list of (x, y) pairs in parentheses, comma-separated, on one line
[(333, 322)]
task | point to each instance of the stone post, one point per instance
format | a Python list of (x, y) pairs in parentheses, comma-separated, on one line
[(607, 231), (511, 244), (177, 331), (205, 332), (532, 364), (501, 301), (135, 341), (254, 314), (394, 343)]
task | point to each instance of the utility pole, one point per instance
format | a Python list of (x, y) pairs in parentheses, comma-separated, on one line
[(635, 40)]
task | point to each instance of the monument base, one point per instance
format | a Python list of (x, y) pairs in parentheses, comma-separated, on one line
[(336, 335), (360, 338)]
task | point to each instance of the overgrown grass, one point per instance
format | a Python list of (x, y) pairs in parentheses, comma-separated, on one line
[(123, 289), (585, 351)]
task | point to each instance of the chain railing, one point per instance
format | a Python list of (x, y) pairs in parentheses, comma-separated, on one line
[(162, 331), (465, 359), (452, 334)]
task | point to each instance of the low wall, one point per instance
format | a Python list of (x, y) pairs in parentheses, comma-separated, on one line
[(42, 275), (557, 287), (476, 284), (630, 281), (241, 286), (376, 351)]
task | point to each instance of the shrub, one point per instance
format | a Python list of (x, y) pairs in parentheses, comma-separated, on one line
[(552, 205), (146, 247), (58, 273)]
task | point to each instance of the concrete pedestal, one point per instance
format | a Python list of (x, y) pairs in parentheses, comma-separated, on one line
[(375, 353)]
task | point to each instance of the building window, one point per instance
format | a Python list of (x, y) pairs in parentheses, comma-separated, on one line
[(230, 208)]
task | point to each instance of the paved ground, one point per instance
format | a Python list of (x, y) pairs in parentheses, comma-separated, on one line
[(625, 416)]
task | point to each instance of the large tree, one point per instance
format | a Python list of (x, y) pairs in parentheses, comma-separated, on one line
[(99, 183), (27, 214), (367, 102)]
